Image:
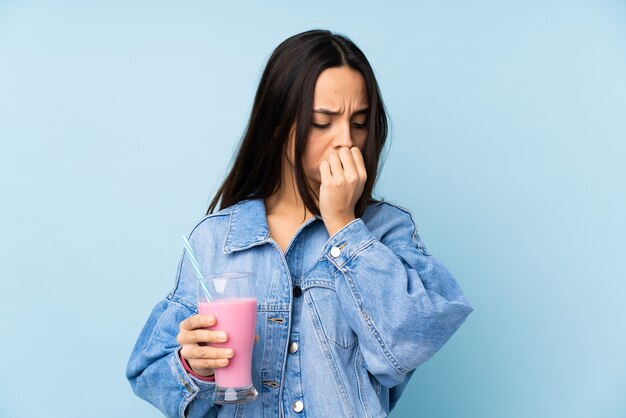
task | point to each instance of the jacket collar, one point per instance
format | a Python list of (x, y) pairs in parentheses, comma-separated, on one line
[(248, 226)]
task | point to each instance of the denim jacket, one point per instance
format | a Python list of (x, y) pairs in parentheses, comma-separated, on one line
[(364, 308)]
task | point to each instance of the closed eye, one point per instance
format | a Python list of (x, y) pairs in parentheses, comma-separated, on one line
[(324, 126)]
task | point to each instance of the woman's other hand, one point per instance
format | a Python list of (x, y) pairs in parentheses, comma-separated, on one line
[(343, 178)]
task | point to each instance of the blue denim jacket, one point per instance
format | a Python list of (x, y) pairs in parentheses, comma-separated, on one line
[(365, 307)]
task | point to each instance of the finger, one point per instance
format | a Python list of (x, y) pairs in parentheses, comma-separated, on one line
[(325, 172), (349, 167), (197, 321), (192, 351), (336, 170), (202, 336), (359, 162), (199, 364)]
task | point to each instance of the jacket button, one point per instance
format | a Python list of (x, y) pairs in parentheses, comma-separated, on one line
[(298, 406), (293, 347), (335, 252), (297, 292)]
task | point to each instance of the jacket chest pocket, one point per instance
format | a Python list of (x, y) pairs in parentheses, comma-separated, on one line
[(328, 317)]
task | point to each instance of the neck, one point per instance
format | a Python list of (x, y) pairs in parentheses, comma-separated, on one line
[(287, 202)]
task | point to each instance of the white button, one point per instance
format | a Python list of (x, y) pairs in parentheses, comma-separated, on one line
[(335, 252), (293, 347), (298, 406)]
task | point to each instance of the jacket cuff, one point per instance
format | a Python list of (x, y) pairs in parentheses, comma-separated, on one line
[(198, 395), (347, 242), (192, 373), (193, 387)]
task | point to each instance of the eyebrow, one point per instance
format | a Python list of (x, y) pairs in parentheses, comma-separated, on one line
[(365, 110)]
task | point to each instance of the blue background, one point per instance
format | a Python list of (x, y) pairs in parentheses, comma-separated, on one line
[(118, 122)]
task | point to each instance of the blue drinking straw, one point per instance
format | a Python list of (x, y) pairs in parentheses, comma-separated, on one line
[(197, 267)]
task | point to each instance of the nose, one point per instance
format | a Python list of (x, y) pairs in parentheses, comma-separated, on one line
[(344, 138)]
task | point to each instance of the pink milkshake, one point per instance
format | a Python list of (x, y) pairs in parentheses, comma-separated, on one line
[(237, 317)]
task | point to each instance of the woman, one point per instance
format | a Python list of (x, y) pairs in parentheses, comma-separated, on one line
[(350, 301)]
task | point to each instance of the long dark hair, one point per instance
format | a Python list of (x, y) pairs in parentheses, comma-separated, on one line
[(285, 96)]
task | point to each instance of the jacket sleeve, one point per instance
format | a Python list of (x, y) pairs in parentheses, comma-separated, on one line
[(396, 391), (401, 301), (155, 370)]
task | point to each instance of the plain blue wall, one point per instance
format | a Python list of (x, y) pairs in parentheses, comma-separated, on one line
[(118, 122)]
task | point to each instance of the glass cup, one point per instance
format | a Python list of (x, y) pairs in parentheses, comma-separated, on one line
[(233, 305)]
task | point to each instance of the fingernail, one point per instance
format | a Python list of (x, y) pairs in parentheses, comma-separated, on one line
[(210, 319), (228, 353), (222, 336)]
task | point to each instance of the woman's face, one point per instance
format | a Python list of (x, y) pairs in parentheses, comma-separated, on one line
[(340, 111)]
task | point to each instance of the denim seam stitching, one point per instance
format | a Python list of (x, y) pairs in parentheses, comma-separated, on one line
[(331, 339), (359, 382), (317, 283), (187, 397), (367, 319), (307, 272), (355, 253), (422, 248), (173, 298), (285, 267), (372, 328), (345, 400)]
